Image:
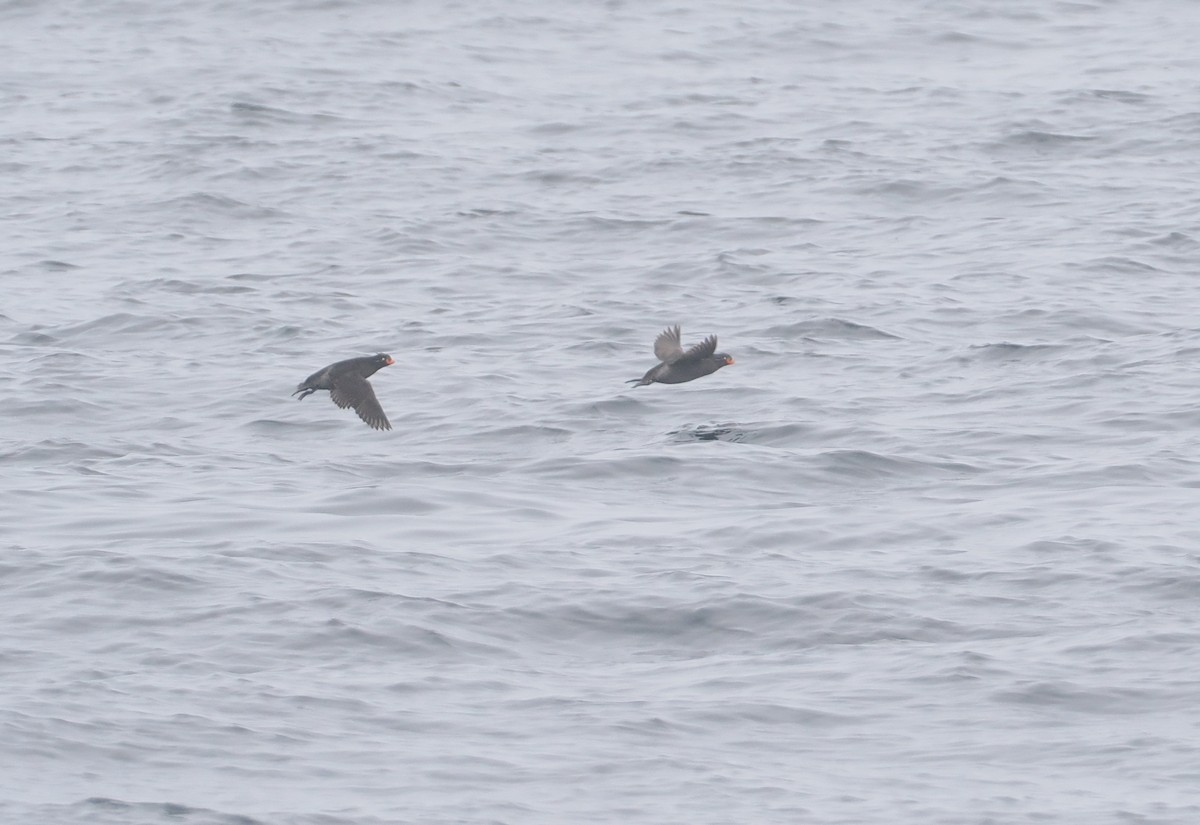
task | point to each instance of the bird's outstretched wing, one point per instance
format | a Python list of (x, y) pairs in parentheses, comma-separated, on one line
[(667, 346), (702, 350), (355, 391)]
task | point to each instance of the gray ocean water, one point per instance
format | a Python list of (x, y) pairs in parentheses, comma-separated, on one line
[(927, 553)]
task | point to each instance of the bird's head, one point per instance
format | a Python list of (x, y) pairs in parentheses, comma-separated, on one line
[(723, 360), (384, 360)]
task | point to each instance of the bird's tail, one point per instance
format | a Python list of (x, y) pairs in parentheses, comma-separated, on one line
[(638, 382), (307, 391)]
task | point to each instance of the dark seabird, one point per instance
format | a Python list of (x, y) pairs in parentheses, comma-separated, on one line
[(678, 366), (348, 387)]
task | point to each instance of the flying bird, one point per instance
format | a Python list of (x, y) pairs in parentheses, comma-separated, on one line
[(679, 366), (348, 387)]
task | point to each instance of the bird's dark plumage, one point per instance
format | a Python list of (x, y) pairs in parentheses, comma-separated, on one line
[(679, 366), (348, 387)]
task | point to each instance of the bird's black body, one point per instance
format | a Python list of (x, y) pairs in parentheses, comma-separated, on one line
[(348, 387), (678, 366)]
